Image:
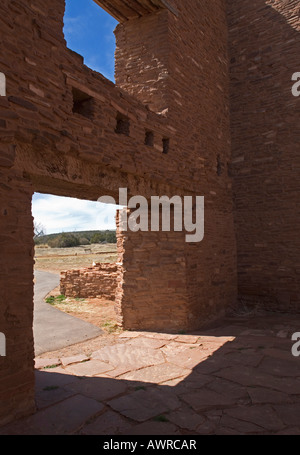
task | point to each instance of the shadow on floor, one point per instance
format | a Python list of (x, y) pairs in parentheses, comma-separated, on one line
[(240, 378)]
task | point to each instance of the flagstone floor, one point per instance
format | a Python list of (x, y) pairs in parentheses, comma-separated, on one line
[(237, 378)]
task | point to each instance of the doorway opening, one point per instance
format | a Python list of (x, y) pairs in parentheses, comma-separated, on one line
[(76, 271)]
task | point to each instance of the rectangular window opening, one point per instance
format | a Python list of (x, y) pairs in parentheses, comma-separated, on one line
[(149, 138), (166, 145), (123, 125), (83, 104)]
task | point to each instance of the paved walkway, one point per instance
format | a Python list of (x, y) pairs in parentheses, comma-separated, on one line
[(239, 378), (52, 328)]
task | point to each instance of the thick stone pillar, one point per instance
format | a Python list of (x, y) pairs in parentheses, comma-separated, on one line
[(152, 291), (16, 296), (178, 64)]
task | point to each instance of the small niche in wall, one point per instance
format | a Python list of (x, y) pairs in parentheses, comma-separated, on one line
[(220, 166), (166, 145), (123, 124), (149, 138), (83, 104)]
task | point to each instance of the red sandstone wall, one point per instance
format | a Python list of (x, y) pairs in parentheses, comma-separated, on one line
[(194, 81), (264, 51), (142, 59), (48, 146), (16, 302), (164, 283), (90, 282), (152, 288), (199, 83)]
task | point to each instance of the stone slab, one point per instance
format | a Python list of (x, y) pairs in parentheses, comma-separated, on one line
[(143, 405), (109, 423), (157, 374), (99, 388), (126, 356), (89, 368), (63, 418)]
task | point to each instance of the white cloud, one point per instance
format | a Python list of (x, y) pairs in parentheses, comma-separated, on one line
[(61, 214), (73, 26)]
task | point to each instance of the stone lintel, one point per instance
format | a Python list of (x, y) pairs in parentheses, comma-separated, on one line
[(131, 9)]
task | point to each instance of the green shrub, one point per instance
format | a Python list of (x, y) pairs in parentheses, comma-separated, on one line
[(64, 240), (99, 237), (84, 241)]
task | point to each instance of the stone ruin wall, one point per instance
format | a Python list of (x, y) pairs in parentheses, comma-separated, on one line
[(264, 47), (68, 131), (99, 281), (214, 81)]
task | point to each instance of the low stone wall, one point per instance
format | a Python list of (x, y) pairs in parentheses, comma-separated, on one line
[(91, 282)]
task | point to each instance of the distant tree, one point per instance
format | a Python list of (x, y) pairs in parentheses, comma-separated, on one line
[(98, 237), (111, 237), (39, 230), (64, 240), (84, 241)]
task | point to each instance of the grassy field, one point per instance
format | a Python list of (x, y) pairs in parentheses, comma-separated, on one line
[(60, 259)]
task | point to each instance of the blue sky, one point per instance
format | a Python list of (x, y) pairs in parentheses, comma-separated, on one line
[(88, 30)]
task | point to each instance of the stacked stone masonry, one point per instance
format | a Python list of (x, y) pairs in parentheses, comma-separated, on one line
[(210, 79), (264, 46), (99, 281)]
